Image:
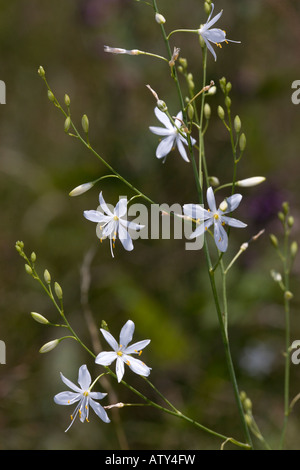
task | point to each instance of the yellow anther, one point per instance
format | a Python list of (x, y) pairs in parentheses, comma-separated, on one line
[(86, 407), (128, 363), (71, 417), (216, 216), (68, 401), (86, 393), (87, 420), (116, 217), (119, 353), (223, 223), (79, 411)]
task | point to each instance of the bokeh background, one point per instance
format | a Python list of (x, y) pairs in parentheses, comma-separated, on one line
[(160, 286)]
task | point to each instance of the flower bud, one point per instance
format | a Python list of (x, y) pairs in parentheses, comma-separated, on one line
[(274, 240), (49, 346), (253, 181), (28, 269), (85, 123), (281, 216), (221, 113), (39, 318), (51, 96), (222, 82), (228, 87), (288, 295), (223, 206), (227, 100), (160, 19), (248, 404), (213, 181), (162, 106), (190, 111), (207, 111), (81, 189), (242, 142), (294, 249), (33, 257), (285, 207), (47, 276), (183, 62), (237, 124), (58, 291), (207, 8), (67, 124), (212, 90), (41, 71), (67, 100), (290, 221), (276, 276)]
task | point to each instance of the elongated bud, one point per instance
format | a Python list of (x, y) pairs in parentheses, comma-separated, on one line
[(39, 318), (285, 207), (49, 346), (207, 111), (51, 96), (81, 189), (47, 276), (288, 295), (290, 221), (67, 124), (67, 100), (162, 106), (212, 90), (274, 240), (207, 8), (228, 88), (223, 206), (58, 291), (213, 181), (41, 71), (276, 276), (85, 123), (190, 111), (294, 249), (227, 100), (242, 142), (221, 113), (28, 269), (248, 404), (237, 124), (281, 216), (33, 257), (253, 181), (160, 19)]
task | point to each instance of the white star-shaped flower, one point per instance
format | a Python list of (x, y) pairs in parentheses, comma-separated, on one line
[(83, 395), (172, 136), (214, 35), (215, 217), (122, 352), (112, 223)]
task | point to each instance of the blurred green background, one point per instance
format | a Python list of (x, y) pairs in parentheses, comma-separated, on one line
[(160, 286)]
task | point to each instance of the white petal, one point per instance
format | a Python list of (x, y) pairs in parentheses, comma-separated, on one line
[(104, 205), (202, 228), (182, 150), (100, 411), (137, 366), (97, 395), (67, 398), (84, 377), (208, 24), (165, 146), (126, 333), (233, 222), (211, 201), (209, 46), (110, 339), (121, 207), (70, 384), (94, 216), (233, 202), (215, 35), (220, 235), (105, 358), (125, 238), (163, 118), (136, 347), (161, 130), (195, 211), (120, 368)]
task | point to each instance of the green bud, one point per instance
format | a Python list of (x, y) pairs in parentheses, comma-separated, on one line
[(190, 79), (190, 111), (281, 216), (58, 290), (274, 240), (207, 111), (227, 102), (285, 207), (213, 181), (160, 19), (49, 346), (183, 62), (41, 71), (243, 396), (51, 96), (47, 276), (33, 257), (207, 8), (276, 276), (85, 123), (242, 142), (248, 404), (294, 248), (104, 325), (222, 82), (221, 113), (180, 69), (39, 318), (248, 420), (288, 295), (228, 87), (67, 100), (28, 269), (237, 124), (290, 221), (67, 124), (162, 106)]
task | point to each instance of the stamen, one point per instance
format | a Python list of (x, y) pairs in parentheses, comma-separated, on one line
[(68, 402), (87, 420), (216, 216), (116, 217), (71, 417), (119, 353), (128, 363)]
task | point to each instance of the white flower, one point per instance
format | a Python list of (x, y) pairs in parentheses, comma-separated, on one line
[(83, 395), (112, 224), (216, 217), (122, 352), (214, 35), (172, 135)]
